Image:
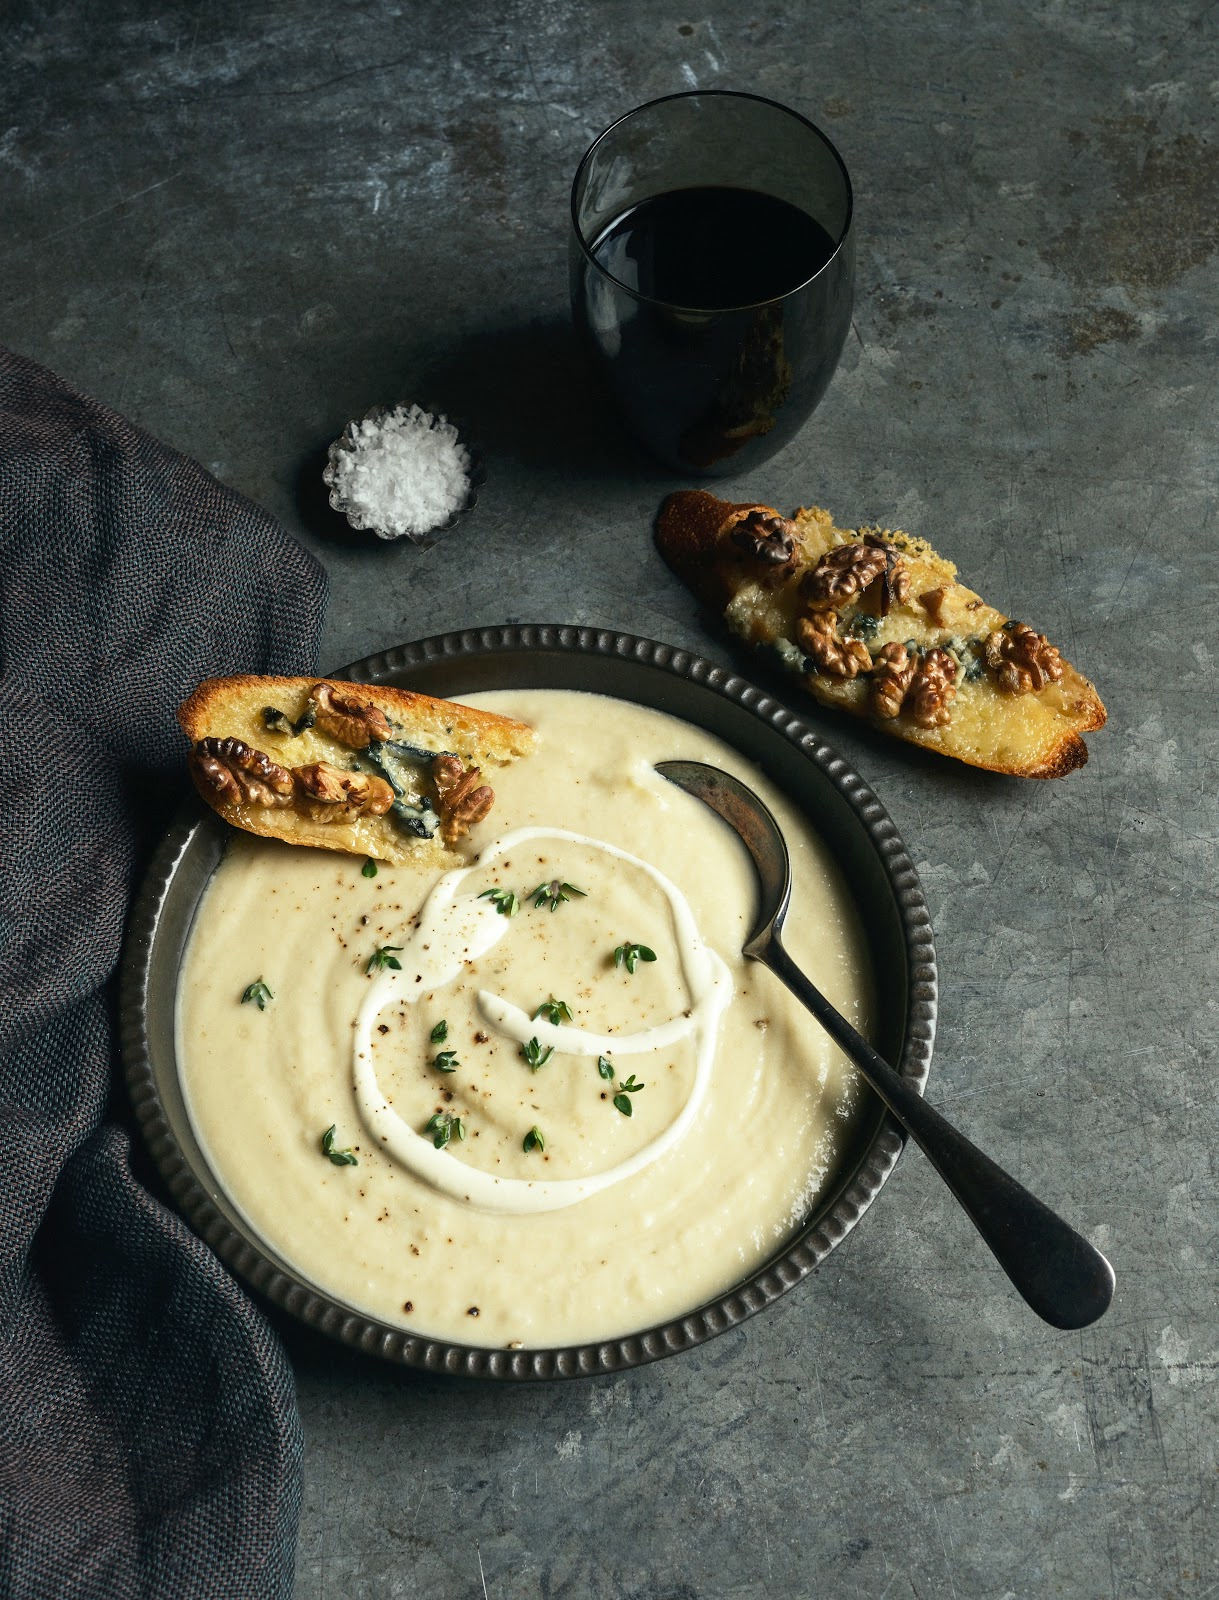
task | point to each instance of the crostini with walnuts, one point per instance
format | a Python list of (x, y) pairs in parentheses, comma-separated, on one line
[(368, 769), (872, 621)]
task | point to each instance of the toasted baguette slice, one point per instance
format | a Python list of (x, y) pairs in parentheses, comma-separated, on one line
[(759, 575), (264, 715)]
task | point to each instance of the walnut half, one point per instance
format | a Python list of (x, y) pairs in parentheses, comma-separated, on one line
[(842, 573), (933, 689), (871, 568), (346, 717), (768, 539), (1024, 659), (238, 775), (893, 675), (328, 794), (817, 636), (923, 687), (461, 800)]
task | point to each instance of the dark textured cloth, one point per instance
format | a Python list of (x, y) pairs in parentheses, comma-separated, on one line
[(149, 1439)]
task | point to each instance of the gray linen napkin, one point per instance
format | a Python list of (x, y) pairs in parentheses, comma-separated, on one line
[(149, 1439)]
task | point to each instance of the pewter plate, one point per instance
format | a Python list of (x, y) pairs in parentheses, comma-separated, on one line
[(837, 802)]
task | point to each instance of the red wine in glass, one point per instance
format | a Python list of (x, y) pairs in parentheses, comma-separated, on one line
[(715, 311), (713, 248)]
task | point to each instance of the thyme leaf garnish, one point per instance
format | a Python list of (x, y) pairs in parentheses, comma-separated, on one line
[(258, 993), (605, 1068), (555, 1011), (443, 1126), (341, 1158), (504, 901), (440, 1032), (537, 1055), (446, 1061), (369, 869), (535, 1139), (385, 957), (621, 1103), (629, 955), (555, 893)]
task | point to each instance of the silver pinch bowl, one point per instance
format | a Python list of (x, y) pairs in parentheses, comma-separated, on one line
[(1065, 1280)]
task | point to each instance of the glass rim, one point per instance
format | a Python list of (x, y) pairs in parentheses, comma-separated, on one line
[(718, 94)]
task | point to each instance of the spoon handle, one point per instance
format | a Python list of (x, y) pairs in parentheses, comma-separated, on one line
[(1064, 1278)]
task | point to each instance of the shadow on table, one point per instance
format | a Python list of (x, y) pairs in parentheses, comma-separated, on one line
[(323, 1365), (522, 394), (527, 393)]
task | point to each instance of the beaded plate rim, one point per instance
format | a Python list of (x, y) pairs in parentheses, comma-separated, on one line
[(196, 1193)]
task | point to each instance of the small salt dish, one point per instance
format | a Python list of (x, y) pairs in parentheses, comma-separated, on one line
[(440, 436)]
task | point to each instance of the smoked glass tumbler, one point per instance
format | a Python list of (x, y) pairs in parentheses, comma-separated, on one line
[(678, 202)]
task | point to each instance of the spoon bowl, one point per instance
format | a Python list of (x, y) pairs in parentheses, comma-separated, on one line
[(1066, 1280)]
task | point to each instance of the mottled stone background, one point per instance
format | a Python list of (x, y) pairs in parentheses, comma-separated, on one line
[(243, 224)]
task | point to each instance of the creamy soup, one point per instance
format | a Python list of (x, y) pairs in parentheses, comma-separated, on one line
[(539, 1098)]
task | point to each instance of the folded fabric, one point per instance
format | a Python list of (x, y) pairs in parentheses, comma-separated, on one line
[(149, 1439)]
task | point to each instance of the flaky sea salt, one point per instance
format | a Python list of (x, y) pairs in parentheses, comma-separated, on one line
[(400, 472)]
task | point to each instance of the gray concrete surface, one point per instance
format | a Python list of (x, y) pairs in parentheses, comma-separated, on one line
[(243, 224)]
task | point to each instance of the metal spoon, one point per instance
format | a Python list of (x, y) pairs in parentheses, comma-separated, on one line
[(1063, 1278)]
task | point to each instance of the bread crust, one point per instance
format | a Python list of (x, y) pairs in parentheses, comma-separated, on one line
[(1036, 735), (692, 532), (233, 707)]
